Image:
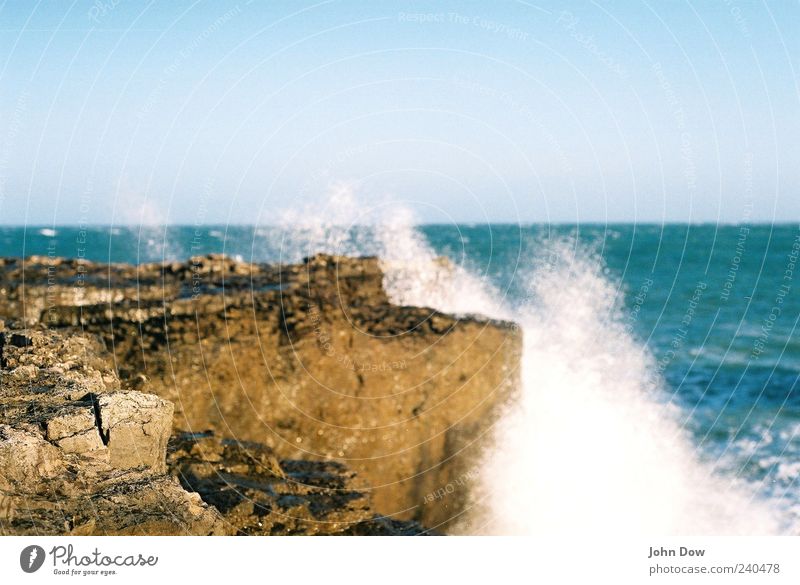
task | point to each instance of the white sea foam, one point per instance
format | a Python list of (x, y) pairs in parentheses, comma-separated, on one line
[(588, 448)]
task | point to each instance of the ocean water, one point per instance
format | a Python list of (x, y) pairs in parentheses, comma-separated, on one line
[(661, 362)]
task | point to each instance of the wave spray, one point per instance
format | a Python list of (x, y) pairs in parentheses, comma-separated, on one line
[(588, 446)]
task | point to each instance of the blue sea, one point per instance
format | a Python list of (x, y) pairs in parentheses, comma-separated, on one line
[(698, 322)]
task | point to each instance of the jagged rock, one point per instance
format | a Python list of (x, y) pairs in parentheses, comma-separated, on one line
[(136, 428), (257, 495), (383, 526), (77, 460), (76, 463), (144, 506), (74, 429), (312, 360), (26, 460)]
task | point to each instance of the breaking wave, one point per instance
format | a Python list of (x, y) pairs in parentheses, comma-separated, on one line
[(589, 446)]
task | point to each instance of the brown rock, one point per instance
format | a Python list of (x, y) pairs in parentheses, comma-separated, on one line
[(74, 429), (26, 460), (152, 506), (76, 463), (257, 495), (136, 428), (57, 476), (311, 360)]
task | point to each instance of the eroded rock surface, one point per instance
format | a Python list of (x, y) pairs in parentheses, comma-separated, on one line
[(78, 453), (259, 495), (82, 454), (311, 360)]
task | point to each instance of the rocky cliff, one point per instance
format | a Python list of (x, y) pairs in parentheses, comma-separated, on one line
[(81, 454), (312, 361)]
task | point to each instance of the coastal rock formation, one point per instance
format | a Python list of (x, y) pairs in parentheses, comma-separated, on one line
[(311, 360), (258, 495), (81, 454), (78, 453)]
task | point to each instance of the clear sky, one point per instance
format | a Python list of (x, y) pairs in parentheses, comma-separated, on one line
[(121, 111)]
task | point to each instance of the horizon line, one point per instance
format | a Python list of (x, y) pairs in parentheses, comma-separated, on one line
[(782, 222)]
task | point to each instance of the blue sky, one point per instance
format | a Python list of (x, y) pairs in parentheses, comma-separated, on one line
[(184, 112)]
